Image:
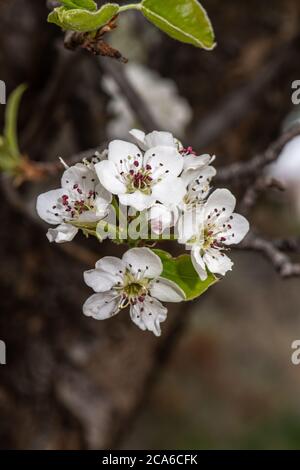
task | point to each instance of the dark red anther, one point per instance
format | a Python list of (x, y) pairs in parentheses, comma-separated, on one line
[(148, 167), (136, 163)]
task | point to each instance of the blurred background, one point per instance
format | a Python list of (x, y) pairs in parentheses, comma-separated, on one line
[(221, 376)]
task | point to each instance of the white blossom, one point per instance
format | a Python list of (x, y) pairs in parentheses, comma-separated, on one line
[(141, 179), (209, 231), (155, 139), (132, 281), (287, 170), (197, 175), (169, 109), (80, 200), (162, 217)]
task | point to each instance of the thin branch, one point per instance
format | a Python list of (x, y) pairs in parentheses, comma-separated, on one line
[(73, 249), (252, 193), (281, 262), (251, 168), (134, 99)]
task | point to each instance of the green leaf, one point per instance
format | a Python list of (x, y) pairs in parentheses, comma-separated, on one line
[(86, 4), (181, 271), (184, 20), (11, 117), (83, 20)]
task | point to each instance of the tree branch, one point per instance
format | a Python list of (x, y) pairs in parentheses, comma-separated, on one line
[(281, 262)]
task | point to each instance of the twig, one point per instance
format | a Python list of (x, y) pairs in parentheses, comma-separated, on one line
[(252, 193), (135, 101), (281, 262), (83, 255), (251, 168)]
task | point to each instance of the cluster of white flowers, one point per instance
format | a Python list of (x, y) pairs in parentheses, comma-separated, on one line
[(155, 175)]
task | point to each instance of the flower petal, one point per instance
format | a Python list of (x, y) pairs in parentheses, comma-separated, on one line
[(221, 201), (192, 162), (112, 265), (169, 191), (217, 262), (101, 306), (100, 280), (139, 138), (79, 177), (198, 263), (110, 177), (166, 291), (199, 177), (163, 161), (158, 138), (46, 206), (237, 229), (62, 233), (148, 315), (138, 200), (162, 217), (121, 151), (143, 262), (190, 224)]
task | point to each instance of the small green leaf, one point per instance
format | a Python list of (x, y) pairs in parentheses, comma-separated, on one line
[(86, 4), (83, 20), (181, 271), (184, 20), (11, 116)]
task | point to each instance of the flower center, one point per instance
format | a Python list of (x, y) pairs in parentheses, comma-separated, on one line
[(139, 178), (187, 151), (74, 207), (133, 290)]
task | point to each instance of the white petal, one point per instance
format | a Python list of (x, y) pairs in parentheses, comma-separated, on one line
[(222, 201), (148, 315), (109, 177), (193, 162), (121, 150), (80, 176), (62, 233), (46, 206), (166, 291), (112, 265), (239, 228), (91, 217), (138, 200), (169, 191), (190, 224), (102, 195), (99, 280), (162, 160), (162, 217), (198, 263), (202, 176), (157, 138), (217, 262), (101, 306), (139, 137), (144, 262)]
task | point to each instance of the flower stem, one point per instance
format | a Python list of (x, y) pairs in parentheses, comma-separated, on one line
[(131, 6)]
